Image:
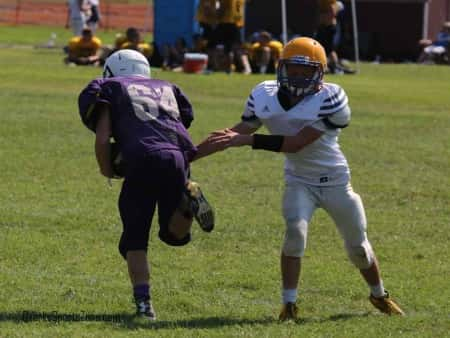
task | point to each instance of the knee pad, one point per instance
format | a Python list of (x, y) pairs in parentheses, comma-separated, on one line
[(295, 238), (170, 239), (126, 244), (362, 255)]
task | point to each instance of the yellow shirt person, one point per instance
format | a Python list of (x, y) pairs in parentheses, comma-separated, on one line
[(327, 12), (265, 53), (232, 11), (133, 41), (276, 47), (206, 12), (83, 47), (142, 47)]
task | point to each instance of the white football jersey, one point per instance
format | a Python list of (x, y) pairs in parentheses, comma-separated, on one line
[(321, 162)]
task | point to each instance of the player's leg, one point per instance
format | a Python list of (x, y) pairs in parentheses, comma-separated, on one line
[(243, 61), (77, 25), (264, 59), (347, 210), (299, 204), (180, 201), (136, 206)]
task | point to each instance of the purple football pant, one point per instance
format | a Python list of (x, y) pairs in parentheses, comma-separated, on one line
[(159, 178)]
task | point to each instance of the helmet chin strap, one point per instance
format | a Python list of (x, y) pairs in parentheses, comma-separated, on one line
[(298, 92), (107, 72)]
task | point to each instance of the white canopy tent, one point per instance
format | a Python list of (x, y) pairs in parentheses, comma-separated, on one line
[(355, 29)]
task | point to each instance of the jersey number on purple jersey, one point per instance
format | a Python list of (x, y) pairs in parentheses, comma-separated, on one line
[(149, 102)]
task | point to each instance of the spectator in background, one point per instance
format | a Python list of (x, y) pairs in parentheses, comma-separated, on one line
[(76, 16), (207, 17), (436, 51), (265, 53), (134, 41), (84, 49), (328, 10), (199, 44), (227, 38), (328, 34), (119, 41), (173, 56), (339, 18), (94, 18)]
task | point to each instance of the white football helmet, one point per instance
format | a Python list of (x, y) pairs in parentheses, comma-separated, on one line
[(126, 62)]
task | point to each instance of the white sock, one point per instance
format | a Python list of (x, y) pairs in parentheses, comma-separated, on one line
[(289, 296), (377, 290)]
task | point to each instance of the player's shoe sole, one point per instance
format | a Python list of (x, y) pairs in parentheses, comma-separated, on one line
[(289, 311), (386, 305), (201, 209)]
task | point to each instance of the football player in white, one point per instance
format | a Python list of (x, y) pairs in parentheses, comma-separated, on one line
[(304, 116)]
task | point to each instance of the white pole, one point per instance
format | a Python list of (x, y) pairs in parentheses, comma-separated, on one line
[(426, 9), (243, 31), (283, 21), (355, 35)]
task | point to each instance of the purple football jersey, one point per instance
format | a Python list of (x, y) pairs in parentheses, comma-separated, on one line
[(147, 114)]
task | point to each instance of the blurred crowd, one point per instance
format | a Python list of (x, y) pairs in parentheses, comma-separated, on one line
[(436, 51), (82, 14), (221, 40)]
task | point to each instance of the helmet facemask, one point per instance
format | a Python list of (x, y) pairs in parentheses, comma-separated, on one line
[(298, 86)]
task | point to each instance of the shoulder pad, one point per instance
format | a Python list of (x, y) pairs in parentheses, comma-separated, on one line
[(264, 88), (263, 91), (334, 99), (87, 100), (339, 119)]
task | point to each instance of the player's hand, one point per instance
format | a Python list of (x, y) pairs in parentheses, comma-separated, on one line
[(107, 172), (232, 138), (218, 140)]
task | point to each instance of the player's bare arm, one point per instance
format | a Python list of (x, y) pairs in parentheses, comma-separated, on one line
[(102, 146), (221, 139), (244, 128), (212, 144), (293, 144), (279, 143)]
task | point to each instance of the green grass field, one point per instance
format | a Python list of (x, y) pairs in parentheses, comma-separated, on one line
[(25, 36), (60, 271)]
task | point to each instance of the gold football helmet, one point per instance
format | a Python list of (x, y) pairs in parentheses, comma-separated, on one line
[(302, 51)]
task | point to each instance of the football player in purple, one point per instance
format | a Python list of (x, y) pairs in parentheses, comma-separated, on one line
[(140, 127)]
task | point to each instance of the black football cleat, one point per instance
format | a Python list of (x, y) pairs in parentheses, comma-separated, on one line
[(199, 206)]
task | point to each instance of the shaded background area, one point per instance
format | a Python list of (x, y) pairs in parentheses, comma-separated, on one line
[(388, 29)]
